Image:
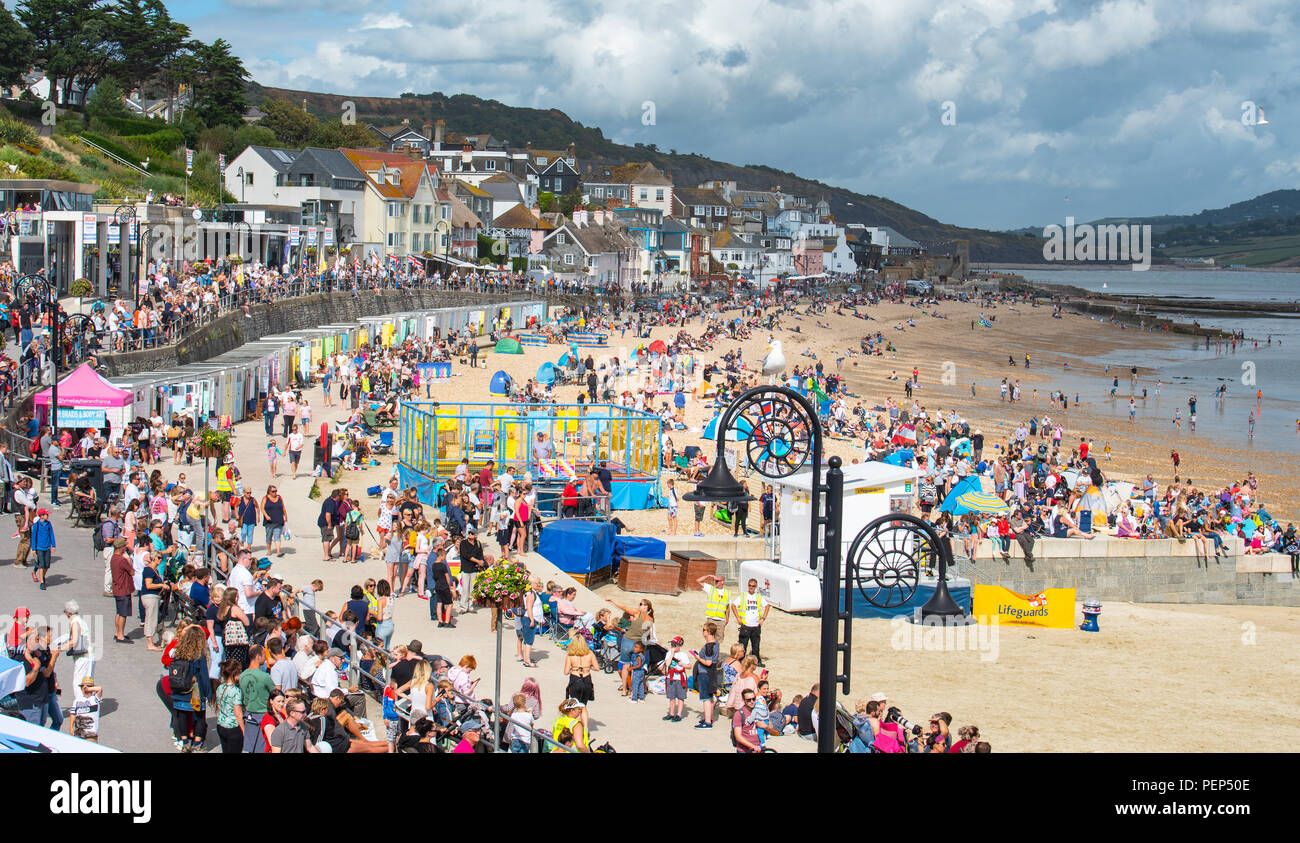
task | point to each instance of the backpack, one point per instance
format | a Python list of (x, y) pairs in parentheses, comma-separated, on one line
[(352, 530), (97, 540), (180, 676), (234, 632)]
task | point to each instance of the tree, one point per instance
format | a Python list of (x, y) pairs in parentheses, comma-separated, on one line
[(334, 134), (219, 85), (15, 49), (546, 201), (569, 201), (249, 135), (106, 100), (292, 125), (70, 40), (141, 32)]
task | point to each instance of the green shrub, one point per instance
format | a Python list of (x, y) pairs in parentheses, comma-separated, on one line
[(12, 131), (81, 288), (36, 167), (132, 125)]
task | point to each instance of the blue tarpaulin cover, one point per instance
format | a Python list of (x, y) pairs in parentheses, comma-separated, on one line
[(576, 546), (640, 547)]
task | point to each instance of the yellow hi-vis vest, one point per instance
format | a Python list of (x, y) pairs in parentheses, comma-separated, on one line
[(715, 603), (225, 479)]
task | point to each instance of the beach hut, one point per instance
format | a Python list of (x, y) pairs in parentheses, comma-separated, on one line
[(499, 385), (546, 373), (509, 345)]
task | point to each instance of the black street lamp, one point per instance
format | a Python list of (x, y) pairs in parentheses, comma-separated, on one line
[(24, 286), (885, 559)]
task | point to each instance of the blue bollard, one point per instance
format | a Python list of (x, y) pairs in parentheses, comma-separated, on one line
[(1091, 612)]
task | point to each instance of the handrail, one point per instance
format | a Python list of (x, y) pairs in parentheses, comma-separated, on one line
[(115, 158)]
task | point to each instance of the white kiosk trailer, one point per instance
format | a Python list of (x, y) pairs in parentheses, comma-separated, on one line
[(871, 489)]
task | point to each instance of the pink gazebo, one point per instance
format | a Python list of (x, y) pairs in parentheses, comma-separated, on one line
[(86, 399)]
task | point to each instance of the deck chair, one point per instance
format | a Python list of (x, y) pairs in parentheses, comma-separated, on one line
[(682, 464), (371, 419), (384, 445)]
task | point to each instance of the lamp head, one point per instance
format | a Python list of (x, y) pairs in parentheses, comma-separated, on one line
[(719, 487)]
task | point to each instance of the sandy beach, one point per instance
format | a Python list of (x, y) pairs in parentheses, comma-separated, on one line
[(1152, 668)]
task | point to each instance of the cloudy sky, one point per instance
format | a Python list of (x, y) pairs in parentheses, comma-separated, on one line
[(1090, 109)]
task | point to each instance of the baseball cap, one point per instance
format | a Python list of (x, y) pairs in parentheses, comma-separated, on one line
[(677, 641), (472, 726), (42, 511)]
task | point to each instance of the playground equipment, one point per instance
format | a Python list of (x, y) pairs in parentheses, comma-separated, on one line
[(434, 439)]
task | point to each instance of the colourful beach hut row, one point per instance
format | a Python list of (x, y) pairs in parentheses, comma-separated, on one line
[(395, 328)]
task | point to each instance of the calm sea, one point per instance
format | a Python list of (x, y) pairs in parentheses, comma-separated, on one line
[(1191, 368)]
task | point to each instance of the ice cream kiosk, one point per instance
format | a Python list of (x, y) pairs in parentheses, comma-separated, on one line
[(871, 489)]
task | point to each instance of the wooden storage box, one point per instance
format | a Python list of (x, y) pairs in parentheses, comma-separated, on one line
[(649, 576), (694, 564)]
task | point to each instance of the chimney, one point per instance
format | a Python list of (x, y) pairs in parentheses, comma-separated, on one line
[(598, 216), (428, 129), (439, 131), (580, 217), (406, 121), (573, 150)]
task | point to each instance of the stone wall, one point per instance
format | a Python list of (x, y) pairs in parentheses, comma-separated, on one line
[(1147, 571)]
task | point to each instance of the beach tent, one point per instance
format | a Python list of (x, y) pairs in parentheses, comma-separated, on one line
[(971, 483), (976, 501), (546, 373), (578, 547), (509, 345), (740, 428), (705, 390), (499, 385), (13, 678), (658, 347)]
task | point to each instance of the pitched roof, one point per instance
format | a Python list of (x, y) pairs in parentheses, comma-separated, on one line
[(471, 189), (691, 196), (412, 172), (503, 191), (642, 172), (521, 217), (332, 161), (461, 215), (279, 159)]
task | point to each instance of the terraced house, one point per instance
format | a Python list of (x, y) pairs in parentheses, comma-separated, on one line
[(403, 205)]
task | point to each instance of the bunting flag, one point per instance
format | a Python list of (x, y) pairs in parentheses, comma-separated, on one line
[(392, 261), (416, 263), (356, 262)]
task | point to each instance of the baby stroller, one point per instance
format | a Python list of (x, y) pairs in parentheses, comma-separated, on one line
[(607, 651)]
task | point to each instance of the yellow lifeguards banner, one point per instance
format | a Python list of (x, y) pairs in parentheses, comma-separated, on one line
[(1052, 608)]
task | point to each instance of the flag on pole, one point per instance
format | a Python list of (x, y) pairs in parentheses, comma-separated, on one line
[(189, 161), (221, 163), (415, 262)]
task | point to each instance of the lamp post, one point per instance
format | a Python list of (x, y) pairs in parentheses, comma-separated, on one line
[(784, 432), (885, 558), (24, 286)]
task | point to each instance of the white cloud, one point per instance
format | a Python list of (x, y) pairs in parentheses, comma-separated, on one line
[(387, 20)]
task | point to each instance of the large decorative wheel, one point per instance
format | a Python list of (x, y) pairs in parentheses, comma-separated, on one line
[(777, 433), (887, 557)]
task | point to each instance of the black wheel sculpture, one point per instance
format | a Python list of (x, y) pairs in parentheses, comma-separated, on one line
[(777, 431), (887, 557)]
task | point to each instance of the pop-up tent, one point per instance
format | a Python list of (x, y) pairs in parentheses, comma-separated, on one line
[(509, 345), (577, 547), (500, 384), (546, 373), (658, 347), (87, 400)]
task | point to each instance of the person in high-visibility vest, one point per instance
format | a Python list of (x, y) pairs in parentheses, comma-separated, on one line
[(716, 602), (750, 609), (226, 474)]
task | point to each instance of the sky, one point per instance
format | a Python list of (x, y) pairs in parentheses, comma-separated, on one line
[(984, 113)]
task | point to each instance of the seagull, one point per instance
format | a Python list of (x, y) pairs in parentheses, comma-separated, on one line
[(774, 362)]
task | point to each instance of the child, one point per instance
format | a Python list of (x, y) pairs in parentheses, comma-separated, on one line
[(84, 722), (638, 672), (392, 723), (699, 519), (1106, 450), (272, 452), (671, 495), (676, 665), (352, 527), (42, 543), (521, 724)]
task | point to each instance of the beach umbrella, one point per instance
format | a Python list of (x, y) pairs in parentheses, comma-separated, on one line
[(978, 502), (968, 484), (904, 435)]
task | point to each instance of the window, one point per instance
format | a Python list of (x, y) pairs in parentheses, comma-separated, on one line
[(489, 164), (445, 211), (568, 258), (644, 193), (392, 239), (428, 213), (250, 177), (559, 238), (541, 161), (700, 210), (394, 209), (659, 195), (717, 226), (598, 192), (570, 162)]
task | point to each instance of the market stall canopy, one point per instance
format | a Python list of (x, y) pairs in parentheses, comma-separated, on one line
[(86, 388)]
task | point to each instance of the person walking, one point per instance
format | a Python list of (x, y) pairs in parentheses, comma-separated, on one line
[(273, 521), (43, 543), (230, 708), (80, 647), (707, 661)]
